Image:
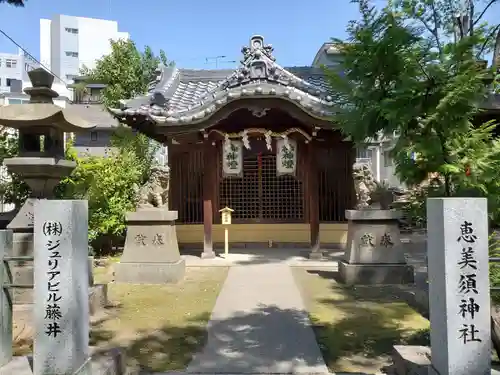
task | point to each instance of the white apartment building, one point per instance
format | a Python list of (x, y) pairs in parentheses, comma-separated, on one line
[(68, 43), (14, 67)]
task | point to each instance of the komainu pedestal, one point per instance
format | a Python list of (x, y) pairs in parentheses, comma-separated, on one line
[(374, 252), (151, 254)]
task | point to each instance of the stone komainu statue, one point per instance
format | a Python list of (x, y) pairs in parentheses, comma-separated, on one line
[(364, 184), (154, 193)]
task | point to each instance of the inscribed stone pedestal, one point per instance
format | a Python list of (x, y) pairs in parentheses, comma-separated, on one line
[(374, 253), (459, 295), (22, 245), (151, 254), (5, 304), (61, 290)]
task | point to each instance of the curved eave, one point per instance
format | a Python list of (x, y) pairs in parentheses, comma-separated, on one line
[(42, 114), (313, 106)]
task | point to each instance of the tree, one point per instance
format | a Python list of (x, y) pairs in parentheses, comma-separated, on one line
[(108, 185), (16, 3), (12, 189), (125, 71), (416, 69)]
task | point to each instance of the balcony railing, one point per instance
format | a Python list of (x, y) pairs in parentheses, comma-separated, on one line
[(88, 99)]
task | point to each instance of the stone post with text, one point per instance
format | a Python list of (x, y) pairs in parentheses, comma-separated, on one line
[(459, 295), (5, 300), (61, 311)]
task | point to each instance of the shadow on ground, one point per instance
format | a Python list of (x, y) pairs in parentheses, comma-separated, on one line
[(260, 255), (239, 344), (357, 326), (367, 326)]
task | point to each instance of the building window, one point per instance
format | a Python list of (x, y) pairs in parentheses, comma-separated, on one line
[(71, 54), (70, 76), (363, 153), (10, 63), (71, 30), (28, 67), (9, 82), (93, 136), (18, 101), (387, 159)]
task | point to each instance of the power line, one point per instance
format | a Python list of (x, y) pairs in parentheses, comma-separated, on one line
[(30, 55)]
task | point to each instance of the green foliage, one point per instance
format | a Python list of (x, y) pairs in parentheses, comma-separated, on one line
[(370, 83), (139, 144), (494, 252), (108, 185), (402, 72), (126, 71), (13, 189), (16, 3)]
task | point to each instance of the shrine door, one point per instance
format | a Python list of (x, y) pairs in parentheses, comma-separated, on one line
[(260, 195)]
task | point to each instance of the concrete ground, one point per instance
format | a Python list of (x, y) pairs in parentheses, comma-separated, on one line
[(298, 257), (259, 324)]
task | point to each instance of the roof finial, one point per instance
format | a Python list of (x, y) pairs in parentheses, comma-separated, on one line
[(257, 47)]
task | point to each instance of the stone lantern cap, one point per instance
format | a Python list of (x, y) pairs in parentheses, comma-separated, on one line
[(41, 110)]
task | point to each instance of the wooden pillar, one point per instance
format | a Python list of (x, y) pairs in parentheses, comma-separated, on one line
[(312, 182), (209, 182)]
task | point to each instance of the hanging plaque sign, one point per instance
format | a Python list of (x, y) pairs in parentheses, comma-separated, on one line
[(286, 158), (232, 158)]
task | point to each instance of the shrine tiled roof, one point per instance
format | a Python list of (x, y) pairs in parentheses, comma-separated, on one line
[(183, 96), (492, 103)]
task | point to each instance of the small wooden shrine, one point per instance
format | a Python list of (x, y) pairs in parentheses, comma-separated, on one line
[(258, 140)]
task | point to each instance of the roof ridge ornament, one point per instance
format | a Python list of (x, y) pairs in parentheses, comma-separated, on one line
[(257, 48), (258, 64)]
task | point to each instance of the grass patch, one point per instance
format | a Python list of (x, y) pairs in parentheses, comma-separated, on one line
[(356, 327), (160, 327)]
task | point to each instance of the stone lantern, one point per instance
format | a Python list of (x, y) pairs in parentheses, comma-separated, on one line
[(40, 162)]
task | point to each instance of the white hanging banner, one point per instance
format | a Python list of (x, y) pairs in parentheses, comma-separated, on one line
[(286, 157), (232, 158)]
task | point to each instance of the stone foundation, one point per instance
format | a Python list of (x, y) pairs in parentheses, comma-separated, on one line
[(371, 274), (151, 254), (374, 253), (111, 362), (415, 360)]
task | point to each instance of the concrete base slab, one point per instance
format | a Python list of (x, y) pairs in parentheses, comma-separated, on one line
[(19, 366), (208, 255), (316, 255), (98, 298), (111, 362), (408, 359), (375, 274), (150, 273), (415, 360)]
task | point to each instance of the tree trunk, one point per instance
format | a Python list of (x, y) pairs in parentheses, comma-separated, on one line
[(496, 52)]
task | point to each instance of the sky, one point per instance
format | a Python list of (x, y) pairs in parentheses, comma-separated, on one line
[(192, 31)]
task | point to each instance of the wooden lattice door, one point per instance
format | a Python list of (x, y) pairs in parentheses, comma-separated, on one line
[(260, 195)]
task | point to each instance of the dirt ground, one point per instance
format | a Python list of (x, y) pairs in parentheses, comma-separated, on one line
[(160, 327), (356, 327)]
